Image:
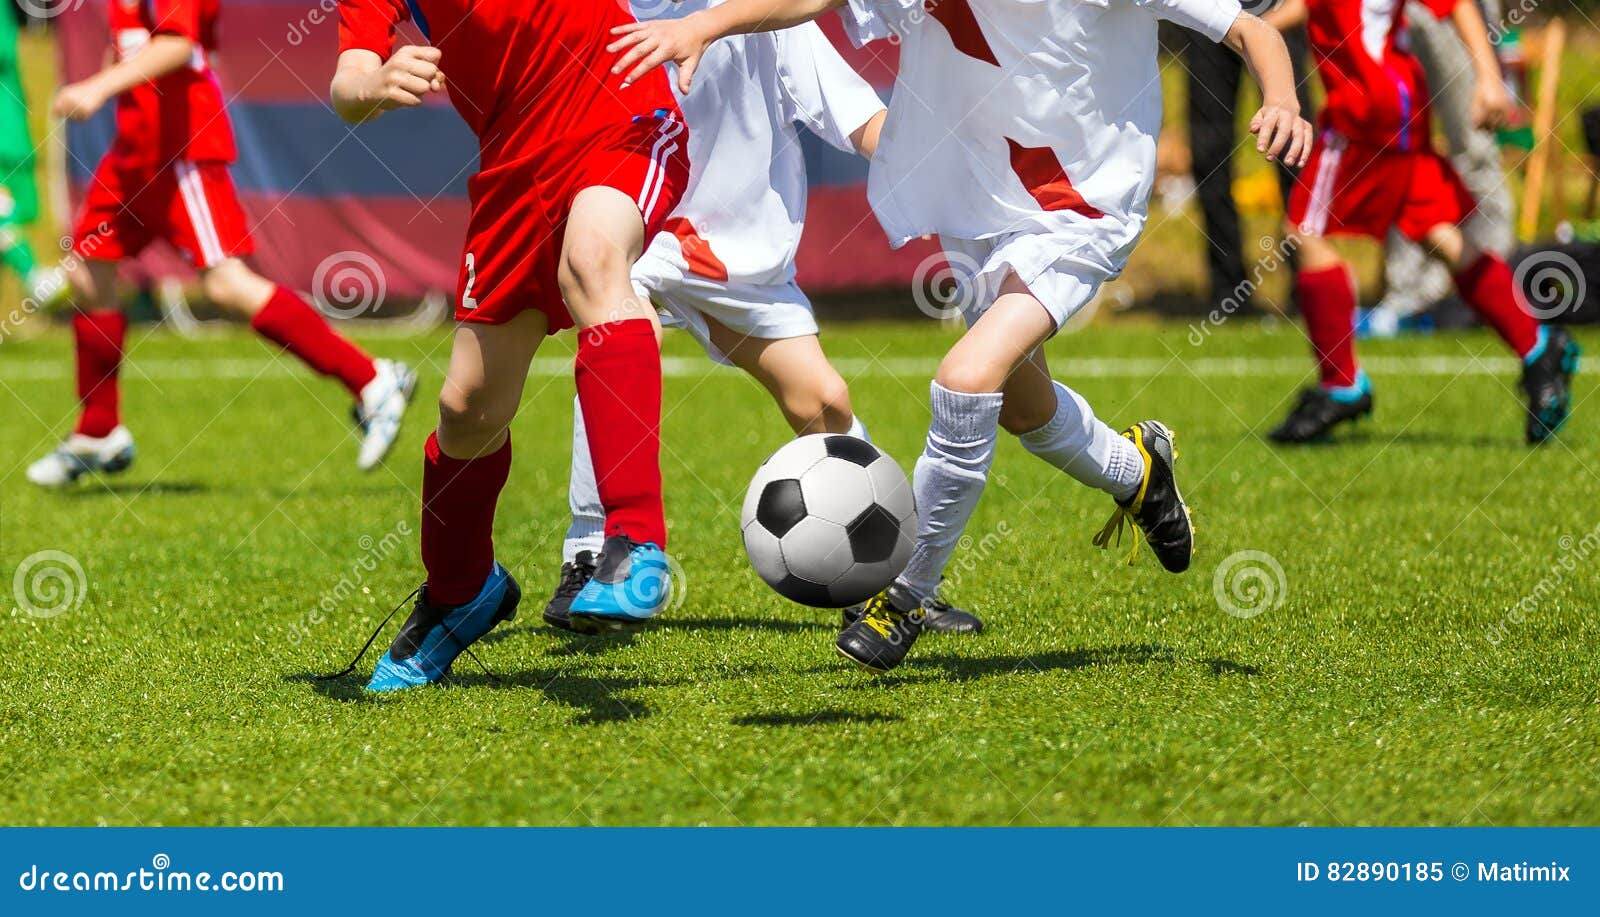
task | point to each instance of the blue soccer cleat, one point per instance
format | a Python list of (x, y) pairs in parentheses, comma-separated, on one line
[(631, 584), (435, 635), (1547, 380)]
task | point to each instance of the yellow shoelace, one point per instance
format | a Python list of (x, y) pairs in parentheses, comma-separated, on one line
[(879, 616), (1119, 517)]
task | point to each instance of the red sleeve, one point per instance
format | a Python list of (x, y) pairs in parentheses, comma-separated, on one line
[(368, 25), (1441, 8), (176, 17)]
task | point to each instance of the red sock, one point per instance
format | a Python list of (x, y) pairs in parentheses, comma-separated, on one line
[(1328, 303), (291, 323), (99, 337), (1488, 287), (618, 371), (458, 499)]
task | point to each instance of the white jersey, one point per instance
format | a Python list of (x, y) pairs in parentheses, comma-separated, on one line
[(745, 207), (1024, 116)]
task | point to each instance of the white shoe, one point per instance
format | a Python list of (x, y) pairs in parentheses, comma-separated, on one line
[(47, 287), (382, 406), (1380, 321), (80, 454)]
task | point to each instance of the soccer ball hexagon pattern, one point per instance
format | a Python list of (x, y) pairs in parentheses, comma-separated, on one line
[(829, 520)]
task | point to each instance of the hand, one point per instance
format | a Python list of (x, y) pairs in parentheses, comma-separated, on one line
[(409, 74), (1491, 104), (1282, 134), (651, 44), (77, 101)]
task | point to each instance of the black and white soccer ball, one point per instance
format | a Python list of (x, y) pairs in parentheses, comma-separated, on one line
[(829, 520)]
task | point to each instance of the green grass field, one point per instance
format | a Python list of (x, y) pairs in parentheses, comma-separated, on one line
[(1430, 657)]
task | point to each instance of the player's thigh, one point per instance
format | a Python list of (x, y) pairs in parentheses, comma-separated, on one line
[(1000, 340), (112, 223), (604, 236), (484, 381), (794, 369), (1436, 202), (232, 285), (201, 216)]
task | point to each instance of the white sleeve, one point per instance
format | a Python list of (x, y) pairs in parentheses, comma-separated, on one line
[(1211, 18), (870, 20), (820, 90)]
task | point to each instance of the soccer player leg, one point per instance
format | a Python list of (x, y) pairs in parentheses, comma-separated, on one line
[(1548, 355), (966, 398), (618, 375), (580, 549), (207, 224), (1326, 291), (807, 389), (465, 466), (19, 207), (99, 443)]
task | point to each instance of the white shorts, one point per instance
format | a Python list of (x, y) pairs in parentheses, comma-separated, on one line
[(765, 311), (1063, 285)]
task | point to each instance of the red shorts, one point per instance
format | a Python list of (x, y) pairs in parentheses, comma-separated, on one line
[(1356, 189), (519, 213), (192, 205)]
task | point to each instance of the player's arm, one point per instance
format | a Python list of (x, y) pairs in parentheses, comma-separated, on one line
[(1289, 14), (865, 137), (365, 85), (648, 45), (1280, 131), (822, 91), (1491, 104), (165, 53)]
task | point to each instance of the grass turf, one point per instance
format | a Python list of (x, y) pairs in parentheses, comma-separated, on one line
[(1379, 691)]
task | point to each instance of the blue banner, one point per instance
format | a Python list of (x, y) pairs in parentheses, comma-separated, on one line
[(764, 871)]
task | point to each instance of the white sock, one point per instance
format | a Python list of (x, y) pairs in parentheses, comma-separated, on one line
[(948, 480), (587, 531), (1088, 450), (858, 429)]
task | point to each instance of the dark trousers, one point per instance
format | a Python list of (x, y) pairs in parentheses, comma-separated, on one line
[(1214, 76)]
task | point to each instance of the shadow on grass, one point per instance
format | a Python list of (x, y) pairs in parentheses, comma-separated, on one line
[(951, 668), (597, 699), (1369, 436), (154, 488), (820, 718), (576, 644)]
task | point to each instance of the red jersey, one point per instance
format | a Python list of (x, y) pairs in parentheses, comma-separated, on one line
[(181, 115), (521, 74), (1376, 91)]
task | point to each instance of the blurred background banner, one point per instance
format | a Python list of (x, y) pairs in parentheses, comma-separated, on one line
[(397, 188)]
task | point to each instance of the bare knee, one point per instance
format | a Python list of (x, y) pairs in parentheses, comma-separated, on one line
[(820, 407), (472, 420), (92, 285), (1018, 416), (235, 288), (958, 375), (1314, 252), (594, 277), (1447, 243)]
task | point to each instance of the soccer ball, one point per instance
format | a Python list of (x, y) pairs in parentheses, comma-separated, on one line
[(829, 520)]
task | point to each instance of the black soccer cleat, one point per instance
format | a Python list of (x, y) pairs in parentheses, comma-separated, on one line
[(1317, 413), (1156, 508), (880, 638), (575, 574), (938, 616), (1548, 384)]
